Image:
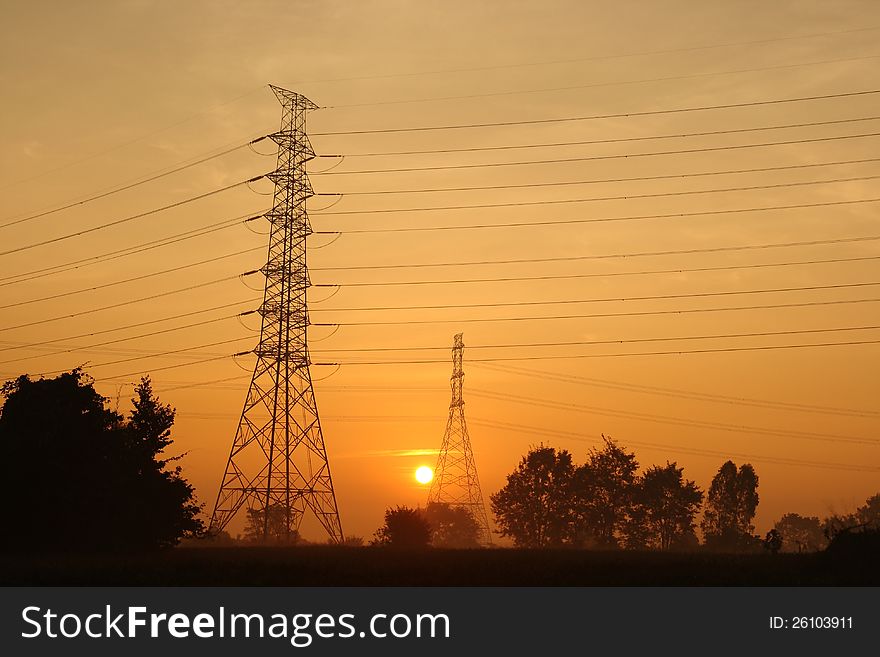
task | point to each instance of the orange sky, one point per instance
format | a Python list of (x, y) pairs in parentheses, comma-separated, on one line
[(100, 96)]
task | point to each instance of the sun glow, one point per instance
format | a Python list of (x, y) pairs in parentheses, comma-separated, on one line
[(424, 475)]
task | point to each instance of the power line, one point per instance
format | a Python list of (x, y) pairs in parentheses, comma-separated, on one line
[(91, 347), (239, 303), (596, 181), (644, 313), (130, 280), (132, 185), (174, 367), (594, 158), (676, 352), (614, 140), (127, 251), (637, 254), (117, 222), (591, 58), (520, 428), (679, 270), (620, 197), (679, 393), (91, 334), (594, 85), (666, 419), (133, 141), (157, 355), (592, 220), (120, 304), (581, 343), (618, 115), (651, 297)]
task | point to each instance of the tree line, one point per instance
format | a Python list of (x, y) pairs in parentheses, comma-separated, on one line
[(606, 503), (109, 476)]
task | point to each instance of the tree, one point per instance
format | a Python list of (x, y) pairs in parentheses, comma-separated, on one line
[(773, 541), (869, 513), (107, 473), (279, 530), (534, 507), (452, 526), (730, 508), (603, 490), (404, 527), (865, 517), (664, 506), (800, 534), (161, 506)]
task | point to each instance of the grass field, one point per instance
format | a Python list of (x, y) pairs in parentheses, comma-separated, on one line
[(338, 566)]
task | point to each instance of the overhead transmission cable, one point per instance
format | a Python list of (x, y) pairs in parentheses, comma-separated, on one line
[(638, 217), (613, 115), (117, 222), (824, 465), (140, 336), (612, 83), (644, 272), (691, 395), (136, 139), (130, 250), (159, 320), (675, 352), (619, 197), (169, 352), (593, 158), (611, 140), (132, 185), (648, 297), (501, 279), (634, 313), (590, 58), (667, 419), (582, 343), (597, 181), (606, 256), (130, 279), (121, 304)]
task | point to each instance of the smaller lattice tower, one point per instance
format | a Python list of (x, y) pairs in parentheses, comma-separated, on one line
[(455, 478)]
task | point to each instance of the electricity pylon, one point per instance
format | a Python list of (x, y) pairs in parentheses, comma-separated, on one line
[(455, 478), (278, 465)]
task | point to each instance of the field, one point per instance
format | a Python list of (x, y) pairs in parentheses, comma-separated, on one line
[(340, 566)]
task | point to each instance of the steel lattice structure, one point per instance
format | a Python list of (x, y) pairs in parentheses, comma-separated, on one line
[(278, 463), (455, 478)]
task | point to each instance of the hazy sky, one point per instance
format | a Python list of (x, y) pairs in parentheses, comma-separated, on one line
[(100, 94)]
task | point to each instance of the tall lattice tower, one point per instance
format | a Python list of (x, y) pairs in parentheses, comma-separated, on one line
[(278, 463), (455, 477)]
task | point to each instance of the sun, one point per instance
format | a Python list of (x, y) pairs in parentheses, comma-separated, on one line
[(424, 474)]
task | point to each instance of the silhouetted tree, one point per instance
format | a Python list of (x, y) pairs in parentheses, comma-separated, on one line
[(773, 541), (603, 489), (535, 506), (664, 506), (279, 530), (104, 474), (869, 513), (865, 517), (730, 508), (800, 534), (404, 527), (452, 526)]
